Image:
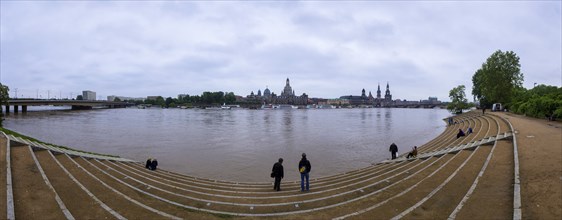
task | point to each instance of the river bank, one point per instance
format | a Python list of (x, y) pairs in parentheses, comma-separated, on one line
[(539, 162)]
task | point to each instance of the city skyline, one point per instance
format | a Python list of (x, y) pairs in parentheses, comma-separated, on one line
[(327, 49)]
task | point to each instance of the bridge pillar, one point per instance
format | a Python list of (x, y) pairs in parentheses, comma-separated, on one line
[(16, 108), (24, 109)]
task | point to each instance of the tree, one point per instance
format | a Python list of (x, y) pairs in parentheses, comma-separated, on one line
[(458, 99), (498, 79), (160, 101), (4, 96), (117, 99), (230, 98)]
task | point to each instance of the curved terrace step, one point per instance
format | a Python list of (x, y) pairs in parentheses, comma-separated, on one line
[(449, 178)]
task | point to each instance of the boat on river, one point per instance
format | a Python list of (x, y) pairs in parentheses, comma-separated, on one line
[(269, 106), (288, 107)]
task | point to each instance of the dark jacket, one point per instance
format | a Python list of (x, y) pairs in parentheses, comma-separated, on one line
[(154, 164), (393, 148), (305, 163), (278, 170), (148, 163)]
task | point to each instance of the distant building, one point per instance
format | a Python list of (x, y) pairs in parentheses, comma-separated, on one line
[(338, 102), (181, 96), (88, 95), (369, 100), (431, 101), (363, 99), (112, 98), (287, 96), (152, 98), (387, 100)]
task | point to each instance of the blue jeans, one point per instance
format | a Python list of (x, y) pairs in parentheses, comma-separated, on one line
[(303, 175)]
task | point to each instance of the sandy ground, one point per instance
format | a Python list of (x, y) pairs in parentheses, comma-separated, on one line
[(540, 157)]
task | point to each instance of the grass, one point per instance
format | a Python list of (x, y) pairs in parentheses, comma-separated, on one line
[(8, 131)]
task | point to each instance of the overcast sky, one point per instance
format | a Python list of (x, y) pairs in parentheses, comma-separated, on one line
[(327, 49)]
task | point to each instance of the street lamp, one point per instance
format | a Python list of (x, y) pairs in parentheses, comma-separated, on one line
[(535, 84)]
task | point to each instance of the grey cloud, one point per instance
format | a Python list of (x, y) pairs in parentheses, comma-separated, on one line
[(327, 49)]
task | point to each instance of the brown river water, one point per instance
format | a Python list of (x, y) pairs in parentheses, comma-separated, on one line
[(238, 144)]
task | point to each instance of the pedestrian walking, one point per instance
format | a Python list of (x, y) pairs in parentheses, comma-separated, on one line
[(393, 149), (277, 173), (304, 169)]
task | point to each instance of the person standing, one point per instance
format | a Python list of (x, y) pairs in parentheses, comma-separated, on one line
[(278, 174), (304, 169), (393, 149)]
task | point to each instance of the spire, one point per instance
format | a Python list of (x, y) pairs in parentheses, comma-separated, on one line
[(386, 85), (287, 81), (379, 91)]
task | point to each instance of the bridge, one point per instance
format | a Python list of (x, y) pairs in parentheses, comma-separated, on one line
[(76, 104)]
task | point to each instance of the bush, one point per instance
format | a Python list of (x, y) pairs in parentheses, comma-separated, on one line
[(558, 113)]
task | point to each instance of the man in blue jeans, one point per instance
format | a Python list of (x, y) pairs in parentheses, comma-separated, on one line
[(304, 169)]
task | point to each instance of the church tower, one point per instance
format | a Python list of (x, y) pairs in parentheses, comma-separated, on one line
[(287, 91), (379, 91), (387, 95)]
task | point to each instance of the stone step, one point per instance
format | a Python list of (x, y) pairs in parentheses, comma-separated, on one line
[(33, 199)]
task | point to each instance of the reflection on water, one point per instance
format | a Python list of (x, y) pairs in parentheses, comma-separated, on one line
[(239, 145)]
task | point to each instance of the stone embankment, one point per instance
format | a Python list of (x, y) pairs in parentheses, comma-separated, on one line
[(489, 174)]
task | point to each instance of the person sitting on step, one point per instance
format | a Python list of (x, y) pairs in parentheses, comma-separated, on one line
[(413, 153), (460, 134)]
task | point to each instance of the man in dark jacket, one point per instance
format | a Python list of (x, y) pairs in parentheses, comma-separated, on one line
[(304, 169), (278, 174), (393, 149)]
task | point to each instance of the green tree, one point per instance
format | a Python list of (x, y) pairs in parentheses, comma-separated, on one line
[(169, 100), (160, 101), (458, 99), (230, 98), (4, 96), (117, 99), (498, 79)]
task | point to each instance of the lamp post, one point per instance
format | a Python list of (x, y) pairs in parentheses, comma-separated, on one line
[(535, 84)]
